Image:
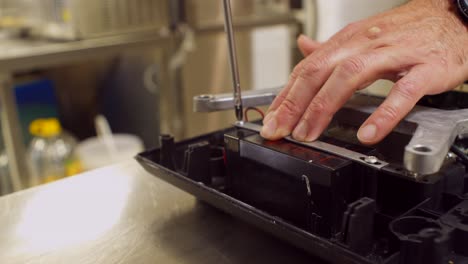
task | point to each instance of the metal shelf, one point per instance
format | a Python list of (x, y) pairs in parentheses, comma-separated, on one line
[(26, 54), (249, 23), (18, 55)]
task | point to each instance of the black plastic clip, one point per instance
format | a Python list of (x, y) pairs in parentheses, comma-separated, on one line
[(358, 225)]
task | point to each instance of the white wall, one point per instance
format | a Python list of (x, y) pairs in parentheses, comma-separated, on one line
[(271, 56), (271, 47), (333, 15)]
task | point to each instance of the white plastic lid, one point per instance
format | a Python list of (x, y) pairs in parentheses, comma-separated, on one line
[(94, 154)]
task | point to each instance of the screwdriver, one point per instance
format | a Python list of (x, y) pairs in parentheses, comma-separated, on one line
[(233, 60)]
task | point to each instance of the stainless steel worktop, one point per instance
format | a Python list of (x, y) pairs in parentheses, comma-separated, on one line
[(121, 214)]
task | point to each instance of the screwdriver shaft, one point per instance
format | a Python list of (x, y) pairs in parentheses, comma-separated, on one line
[(233, 60)]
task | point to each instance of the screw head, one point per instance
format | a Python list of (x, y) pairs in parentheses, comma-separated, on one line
[(451, 155), (371, 159)]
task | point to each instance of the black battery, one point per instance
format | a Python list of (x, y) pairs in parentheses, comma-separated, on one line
[(306, 187)]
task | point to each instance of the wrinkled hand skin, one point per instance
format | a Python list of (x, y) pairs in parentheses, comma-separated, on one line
[(421, 46)]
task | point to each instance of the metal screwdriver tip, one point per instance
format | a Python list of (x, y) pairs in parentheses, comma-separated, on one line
[(233, 60)]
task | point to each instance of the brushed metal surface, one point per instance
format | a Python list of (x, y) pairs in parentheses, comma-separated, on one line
[(121, 214), (84, 19), (19, 54)]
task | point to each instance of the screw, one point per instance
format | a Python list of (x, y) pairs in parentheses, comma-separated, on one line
[(451, 155), (371, 159), (413, 174)]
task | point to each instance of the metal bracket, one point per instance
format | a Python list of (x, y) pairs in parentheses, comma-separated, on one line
[(326, 147), (220, 102), (433, 130), (435, 133)]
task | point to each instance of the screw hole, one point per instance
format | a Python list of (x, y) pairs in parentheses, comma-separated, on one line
[(423, 149), (205, 96)]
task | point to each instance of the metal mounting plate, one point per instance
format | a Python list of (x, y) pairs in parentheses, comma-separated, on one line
[(433, 130)]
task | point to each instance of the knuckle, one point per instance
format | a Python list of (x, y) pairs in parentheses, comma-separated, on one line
[(290, 108), (279, 98), (351, 67), (381, 45), (318, 106), (437, 49), (462, 57), (389, 113), (407, 90), (294, 74), (311, 70), (352, 27), (348, 31), (296, 71)]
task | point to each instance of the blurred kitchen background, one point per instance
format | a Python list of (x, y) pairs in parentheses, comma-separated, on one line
[(85, 83)]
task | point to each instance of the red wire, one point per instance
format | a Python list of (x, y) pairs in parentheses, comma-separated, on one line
[(259, 111)]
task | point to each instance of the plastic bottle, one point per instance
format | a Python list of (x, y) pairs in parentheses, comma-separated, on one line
[(51, 152)]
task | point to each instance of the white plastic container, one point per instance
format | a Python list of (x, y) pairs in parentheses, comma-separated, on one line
[(94, 153)]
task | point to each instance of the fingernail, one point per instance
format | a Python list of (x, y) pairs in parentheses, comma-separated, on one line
[(300, 133), (269, 129), (367, 133)]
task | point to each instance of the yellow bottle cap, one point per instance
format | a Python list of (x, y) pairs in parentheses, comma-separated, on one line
[(45, 127)]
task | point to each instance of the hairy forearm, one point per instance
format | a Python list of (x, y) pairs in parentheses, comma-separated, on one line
[(449, 5), (444, 4)]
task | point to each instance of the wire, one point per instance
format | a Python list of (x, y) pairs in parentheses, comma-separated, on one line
[(460, 154), (259, 111)]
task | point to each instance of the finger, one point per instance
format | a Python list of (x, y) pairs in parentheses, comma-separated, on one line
[(282, 95), (401, 100), (316, 69), (307, 45), (349, 76), (310, 77)]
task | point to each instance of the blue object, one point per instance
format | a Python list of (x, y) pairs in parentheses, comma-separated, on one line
[(35, 99), (36, 92)]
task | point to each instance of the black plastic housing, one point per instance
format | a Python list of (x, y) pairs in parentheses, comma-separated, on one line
[(334, 208)]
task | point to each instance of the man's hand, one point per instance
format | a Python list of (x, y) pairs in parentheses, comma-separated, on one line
[(422, 46)]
